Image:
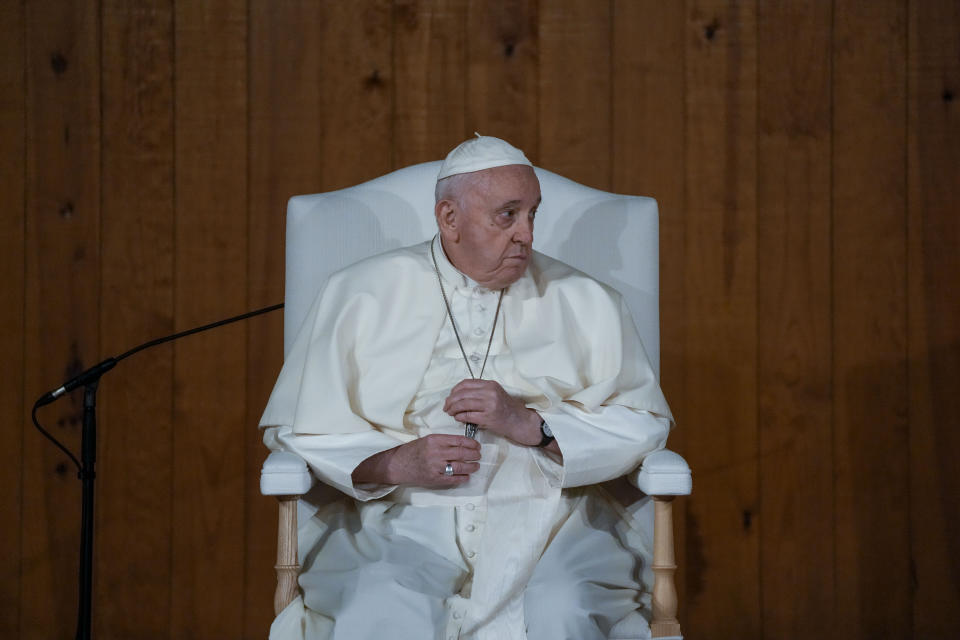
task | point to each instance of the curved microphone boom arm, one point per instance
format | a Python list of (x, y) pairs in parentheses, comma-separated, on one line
[(90, 379)]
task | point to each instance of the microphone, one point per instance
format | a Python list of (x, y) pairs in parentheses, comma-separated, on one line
[(96, 371), (88, 446), (85, 378)]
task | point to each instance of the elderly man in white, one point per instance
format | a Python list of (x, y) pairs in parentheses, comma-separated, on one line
[(467, 395)]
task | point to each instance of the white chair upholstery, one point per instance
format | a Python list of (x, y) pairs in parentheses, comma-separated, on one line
[(611, 237), (663, 473)]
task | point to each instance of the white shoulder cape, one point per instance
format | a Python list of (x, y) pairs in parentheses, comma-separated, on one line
[(366, 342)]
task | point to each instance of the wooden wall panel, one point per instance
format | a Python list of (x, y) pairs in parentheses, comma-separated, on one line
[(12, 402), (808, 251), (285, 133), (934, 316), (210, 283), (720, 315), (502, 72), (871, 480), (356, 80), (63, 289), (648, 148), (429, 84), (794, 323), (136, 420), (575, 91), (648, 159)]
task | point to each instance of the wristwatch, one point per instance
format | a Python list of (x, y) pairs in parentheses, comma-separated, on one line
[(546, 433)]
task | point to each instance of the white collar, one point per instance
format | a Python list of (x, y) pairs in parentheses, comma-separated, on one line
[(456, 278)]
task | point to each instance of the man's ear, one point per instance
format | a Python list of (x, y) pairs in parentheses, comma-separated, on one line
[(447, 220)]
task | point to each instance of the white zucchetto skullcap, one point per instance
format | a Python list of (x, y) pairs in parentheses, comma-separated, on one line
[(482, 152)]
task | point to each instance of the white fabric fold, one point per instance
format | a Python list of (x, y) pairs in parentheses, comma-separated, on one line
[(370, 370), (598, 446), (332, 458), (368, 339)]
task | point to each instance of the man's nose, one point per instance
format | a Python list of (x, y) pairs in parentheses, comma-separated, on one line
[(523, 233)]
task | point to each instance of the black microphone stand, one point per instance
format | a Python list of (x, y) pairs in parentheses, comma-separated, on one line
[(88, 461), (90, 380)]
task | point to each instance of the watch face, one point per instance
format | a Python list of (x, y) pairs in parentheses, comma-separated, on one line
[(546, 430)]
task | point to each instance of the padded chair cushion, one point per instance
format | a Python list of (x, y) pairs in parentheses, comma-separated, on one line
[(284, 474), (663, 473)]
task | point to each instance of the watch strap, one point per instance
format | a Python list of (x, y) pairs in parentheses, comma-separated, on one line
[(544, 438)]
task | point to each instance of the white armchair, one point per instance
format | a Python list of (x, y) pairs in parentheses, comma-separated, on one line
[(611, 237)]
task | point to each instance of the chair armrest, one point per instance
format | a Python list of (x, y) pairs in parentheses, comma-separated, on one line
[(285, 474), (663, 473)]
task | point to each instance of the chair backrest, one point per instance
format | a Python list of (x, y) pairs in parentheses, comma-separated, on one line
[(608, 236)]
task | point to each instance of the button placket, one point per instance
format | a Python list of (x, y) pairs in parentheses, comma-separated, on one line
[(458, 611), (469, 524), (455, 621)]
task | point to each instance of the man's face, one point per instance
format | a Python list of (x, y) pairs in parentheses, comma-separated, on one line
[(492, 234)]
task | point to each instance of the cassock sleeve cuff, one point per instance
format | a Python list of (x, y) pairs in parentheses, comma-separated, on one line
[(599, 446), (550, 464), (333, 457)]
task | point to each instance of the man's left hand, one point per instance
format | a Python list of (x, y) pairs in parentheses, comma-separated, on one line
[(485, 404)]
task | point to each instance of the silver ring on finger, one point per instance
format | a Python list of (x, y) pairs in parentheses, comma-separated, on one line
[(448, 470)]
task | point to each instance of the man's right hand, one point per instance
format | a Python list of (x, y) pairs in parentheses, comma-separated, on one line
[(421, 462)]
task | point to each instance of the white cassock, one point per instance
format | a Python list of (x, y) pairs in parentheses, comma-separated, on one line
[(530, 537)]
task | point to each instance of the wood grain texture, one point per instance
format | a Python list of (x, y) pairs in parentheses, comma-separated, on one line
[(663, 617), (934, 315), (12, 402), (429, 57), (252, 101), (871, 482), (210, 283), (794, 319), (502, 72), (62, 294), (285, 134), (648, 159), (575, 90), (356, 79), (648, 148), (720, 314), (136, 418), (288, 562)]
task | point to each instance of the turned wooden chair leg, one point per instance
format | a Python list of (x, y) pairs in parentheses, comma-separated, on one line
[(664, 621), (287, 566)]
